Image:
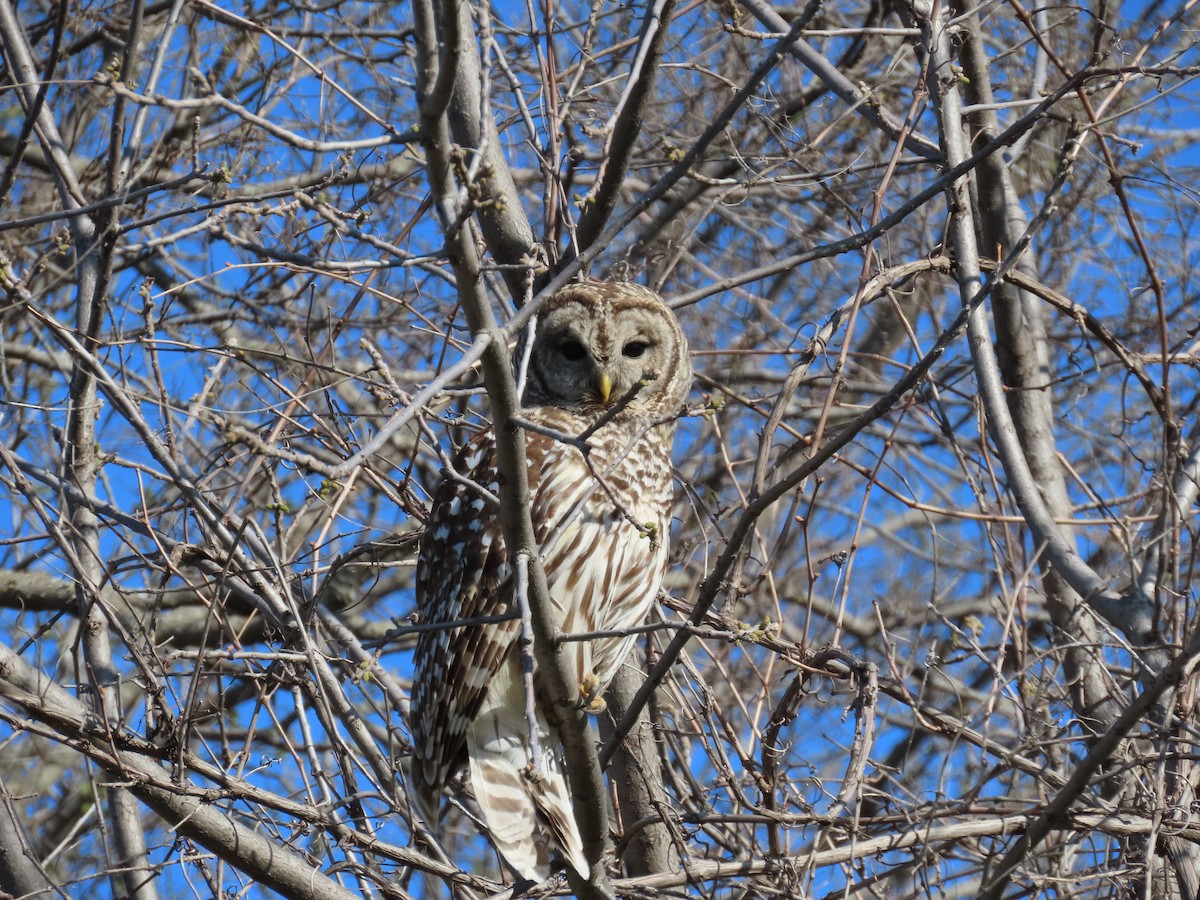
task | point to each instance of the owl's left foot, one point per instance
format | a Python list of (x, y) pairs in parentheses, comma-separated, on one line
[(589, 692)]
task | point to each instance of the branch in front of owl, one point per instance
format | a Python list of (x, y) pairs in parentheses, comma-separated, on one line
[(448, 470), (702, 631), (623, 401), (581, 442), (525, 642), (452, 474), (647, 530), (400, 631), (554, 434)]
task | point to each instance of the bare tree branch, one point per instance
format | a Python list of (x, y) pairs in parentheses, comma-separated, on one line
[(1134, 618), (261, 277), (190, 816), (626, 125)]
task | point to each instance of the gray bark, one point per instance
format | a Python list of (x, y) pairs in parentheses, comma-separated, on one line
[(636, 772), (20, 874)]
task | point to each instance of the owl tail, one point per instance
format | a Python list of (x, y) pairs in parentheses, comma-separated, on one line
[(517, 802)]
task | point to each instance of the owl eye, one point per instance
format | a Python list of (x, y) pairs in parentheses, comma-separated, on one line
[(572, 350), (635, 349)]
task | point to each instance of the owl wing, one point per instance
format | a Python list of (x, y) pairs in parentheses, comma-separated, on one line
[(462, 573)]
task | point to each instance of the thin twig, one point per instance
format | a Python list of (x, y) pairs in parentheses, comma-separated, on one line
[(525, 643)]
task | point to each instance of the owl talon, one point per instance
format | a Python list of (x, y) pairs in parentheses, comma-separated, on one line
[(589, 691)]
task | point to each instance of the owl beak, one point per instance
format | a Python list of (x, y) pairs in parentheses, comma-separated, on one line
[(606, 387)]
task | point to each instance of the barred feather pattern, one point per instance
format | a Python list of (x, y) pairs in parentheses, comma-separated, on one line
[(603, 574), (602, 569)]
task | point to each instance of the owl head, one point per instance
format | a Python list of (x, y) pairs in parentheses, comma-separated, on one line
[(596, 340)]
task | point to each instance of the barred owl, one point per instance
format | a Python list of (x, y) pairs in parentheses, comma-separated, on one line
[(611, 352)]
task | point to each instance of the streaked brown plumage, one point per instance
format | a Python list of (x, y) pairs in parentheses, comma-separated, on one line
[(595, 341)]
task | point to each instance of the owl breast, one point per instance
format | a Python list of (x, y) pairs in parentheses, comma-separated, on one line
[(605, 548)]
